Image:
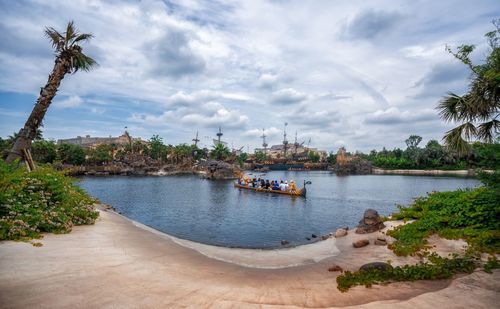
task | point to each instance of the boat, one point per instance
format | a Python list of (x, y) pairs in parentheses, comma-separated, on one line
[(300, 192)]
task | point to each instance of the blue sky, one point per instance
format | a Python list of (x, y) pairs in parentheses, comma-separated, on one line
[(363, 74)]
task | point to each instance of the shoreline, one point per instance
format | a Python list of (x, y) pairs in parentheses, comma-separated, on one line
[(115, 263)]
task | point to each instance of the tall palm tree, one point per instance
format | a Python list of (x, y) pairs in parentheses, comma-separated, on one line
[(478, 110), (69, 59)]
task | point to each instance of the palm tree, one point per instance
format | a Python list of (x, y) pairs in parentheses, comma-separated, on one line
[(69, 59), (479, 108)]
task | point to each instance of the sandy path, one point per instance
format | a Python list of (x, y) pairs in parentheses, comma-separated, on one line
[(116, 264)]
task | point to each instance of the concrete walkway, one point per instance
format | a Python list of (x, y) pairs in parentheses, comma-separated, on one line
[(118, 264)]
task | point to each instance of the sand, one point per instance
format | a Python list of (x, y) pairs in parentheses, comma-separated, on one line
[(118, 263)]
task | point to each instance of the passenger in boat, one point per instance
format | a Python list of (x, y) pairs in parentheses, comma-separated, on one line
[(293, 188), (276, 185), (262, 183), (287, 187), (282, 186), (267, 184)]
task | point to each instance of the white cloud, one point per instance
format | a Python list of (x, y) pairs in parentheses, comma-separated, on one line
[(70, 102), (288, 96)]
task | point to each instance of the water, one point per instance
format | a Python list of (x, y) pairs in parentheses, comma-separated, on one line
[(216, 213)]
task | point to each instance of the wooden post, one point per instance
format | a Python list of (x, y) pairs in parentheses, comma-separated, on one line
[(30, 164)]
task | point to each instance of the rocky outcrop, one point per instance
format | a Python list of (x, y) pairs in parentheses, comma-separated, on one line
[(380, 241), (355, 166), (370, 223), (212, 169)]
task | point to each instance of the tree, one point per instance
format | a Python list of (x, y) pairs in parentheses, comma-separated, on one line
[(314, 156), (44, 151), (478, 109), (71, 154), (242, 158), (332, 158), (69, 59), (101, 154), (157, 149), (413, 141), (220, 152), (260, 156)]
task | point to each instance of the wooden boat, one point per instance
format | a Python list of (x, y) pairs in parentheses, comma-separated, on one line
[(300, 192)]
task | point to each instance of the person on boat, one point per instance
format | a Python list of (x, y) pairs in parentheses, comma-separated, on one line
[(262, 183), (287, 187), (282, 186), (293, 187), (276, 185), (267, 185)]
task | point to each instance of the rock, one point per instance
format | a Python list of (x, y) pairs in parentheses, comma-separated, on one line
[(307, 238), (380, 242), (370, 223), (325, 237), (314, 236), (361, 243), (335, 268), (340, 232), (285, 242), (376, 265)]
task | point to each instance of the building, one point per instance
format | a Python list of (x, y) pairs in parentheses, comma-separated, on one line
[(91, 142)]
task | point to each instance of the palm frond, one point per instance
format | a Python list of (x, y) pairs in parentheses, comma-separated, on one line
[(488, 130), (453, 140), (83, 62), (56, 38), (70, 33), (82, 37), (449, 107)]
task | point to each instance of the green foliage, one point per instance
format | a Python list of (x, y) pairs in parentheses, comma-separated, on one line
[(43, 151), (220, 152), (101, 154), (435, 268), (314, 156), (331, 158), (157, 149), (491, 264), (242, 158), (469, 214), (70, 154), (260, 156), (40, 201)]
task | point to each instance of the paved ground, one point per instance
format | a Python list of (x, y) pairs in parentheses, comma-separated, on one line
[(116, 264)]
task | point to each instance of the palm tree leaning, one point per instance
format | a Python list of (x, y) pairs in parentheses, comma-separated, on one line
[(69, 59), (478, 110)]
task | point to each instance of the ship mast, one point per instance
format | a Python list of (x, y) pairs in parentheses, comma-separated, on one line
[(196, 140), (264, 144), (219, 135), (285, 141)]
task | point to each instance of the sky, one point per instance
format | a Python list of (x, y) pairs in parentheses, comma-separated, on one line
[(359, 74)]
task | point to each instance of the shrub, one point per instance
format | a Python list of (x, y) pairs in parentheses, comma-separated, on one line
[(40, 201), (470, 214), (435, 268)]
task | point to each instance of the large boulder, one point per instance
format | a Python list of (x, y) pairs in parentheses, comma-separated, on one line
[(340, 233), (370, 223), (360, 243), (376, 265), (212, 169)]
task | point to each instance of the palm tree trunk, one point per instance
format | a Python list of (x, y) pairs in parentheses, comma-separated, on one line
[(47, 93)]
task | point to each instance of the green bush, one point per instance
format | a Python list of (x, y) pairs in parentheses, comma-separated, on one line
[(470, 214), (435, 268), (40, 201)]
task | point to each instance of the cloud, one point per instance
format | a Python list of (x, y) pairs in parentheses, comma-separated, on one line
[(393, 116), (371, 24), (288, 96), (442, 78), (268, 80), (172, 55), (69, 102), (257, 133)]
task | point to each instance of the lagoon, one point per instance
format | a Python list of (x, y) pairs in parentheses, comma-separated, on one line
[(216, 213)]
